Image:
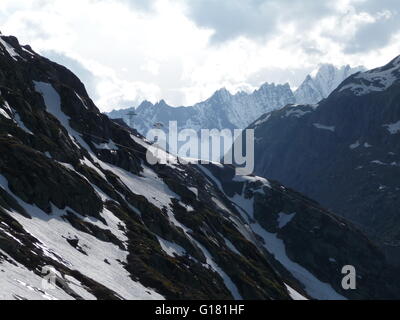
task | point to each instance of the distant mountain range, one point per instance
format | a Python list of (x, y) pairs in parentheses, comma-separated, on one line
[(221, 111), (236, 111)]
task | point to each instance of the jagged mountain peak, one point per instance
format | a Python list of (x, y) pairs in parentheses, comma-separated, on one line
[(271, 86), (145, 104), (221, 95), (322, 82), (223, 110)]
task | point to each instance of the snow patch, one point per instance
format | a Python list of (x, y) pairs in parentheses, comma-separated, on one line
[(298, 113), (52, 231), (171, 248), (231, 246), (373, 81), (393, 128), (263, 120), (324, 127), (294, 294), (355, 145), (107, 146), (313, 286), (284, 219), (10, 50)]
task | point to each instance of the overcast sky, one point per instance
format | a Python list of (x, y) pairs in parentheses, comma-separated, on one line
[(183, 50)]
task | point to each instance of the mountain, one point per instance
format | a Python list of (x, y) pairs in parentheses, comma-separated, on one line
[(77, 195), (221, 111), (344, 152), (324, 81), (224, 110)]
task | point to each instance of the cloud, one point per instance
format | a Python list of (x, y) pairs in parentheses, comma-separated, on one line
[(85, 75), (145, 5), (255, 18), (379, 30), (184, 50)]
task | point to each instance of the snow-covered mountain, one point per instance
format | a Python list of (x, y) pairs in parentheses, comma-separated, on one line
[(77, 196), (227, 111), (323, 82), (221, 111), (343, 152)]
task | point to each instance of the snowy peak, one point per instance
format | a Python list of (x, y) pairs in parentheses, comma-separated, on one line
[(10, 47), (226, 110), (222, 95), (222, 110), (143, 106), (322, 82), (376, 80)]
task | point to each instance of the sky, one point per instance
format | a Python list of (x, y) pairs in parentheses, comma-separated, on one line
[(182, 51)]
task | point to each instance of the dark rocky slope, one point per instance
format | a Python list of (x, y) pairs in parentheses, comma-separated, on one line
[(76, 193)]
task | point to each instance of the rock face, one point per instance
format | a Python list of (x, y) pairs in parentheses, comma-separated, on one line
[(222, 111), (78, 197), (319, 86), (343, 152)]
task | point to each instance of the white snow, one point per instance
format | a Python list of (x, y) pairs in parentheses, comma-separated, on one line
[(52, 231), (284, 219), (53, 105), (294, 294), (263, 120), (27, 51), (3, 110), (355, 145), (107, 146), (231, 246), (4, 113), (313, 286), (393, 128), (79, 288), (149, 185), (378, 162), (19, 283), (264, 182), (10, 235), (83, 102), (15, 115), (298, 113), (227, 280), (194, 190), (21, 124), (171, 248), (322, 82), (373, 81), (10, 50), (324, 127)]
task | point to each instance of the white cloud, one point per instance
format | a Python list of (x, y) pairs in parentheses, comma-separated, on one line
[(182, 51)]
